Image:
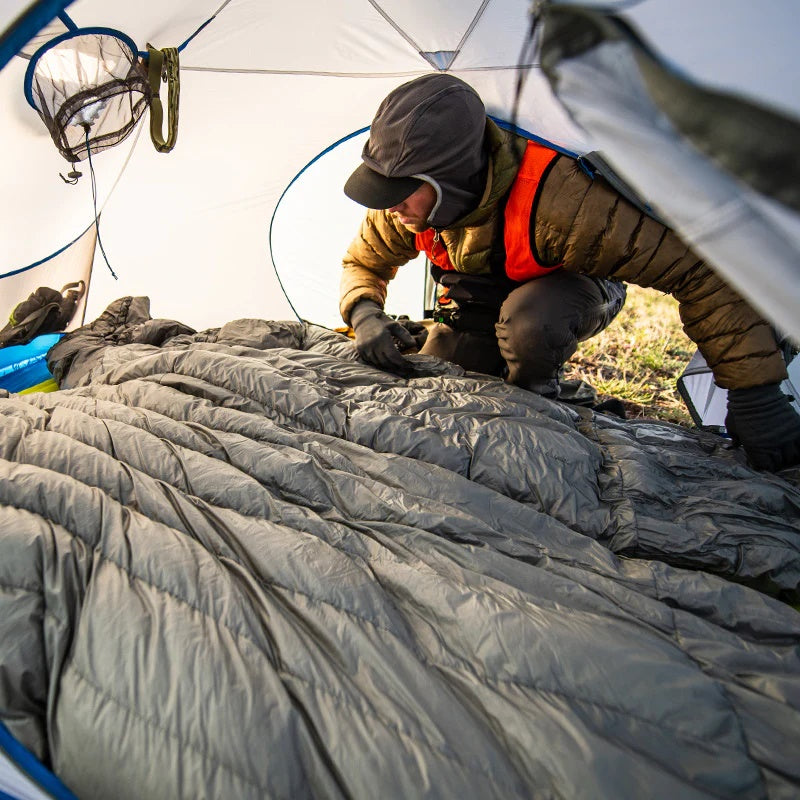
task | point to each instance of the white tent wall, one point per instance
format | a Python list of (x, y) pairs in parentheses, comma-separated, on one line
[(9, 12), (41, 214), (71, 265), (263, 92), (202, 253), (261, 97), (331, 223)]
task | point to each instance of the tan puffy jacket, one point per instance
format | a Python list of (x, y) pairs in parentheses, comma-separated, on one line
[(589, 226)]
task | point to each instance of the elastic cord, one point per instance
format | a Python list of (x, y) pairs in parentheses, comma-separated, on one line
[(94, 202)]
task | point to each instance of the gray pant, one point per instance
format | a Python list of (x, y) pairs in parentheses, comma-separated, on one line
[(538, 328)]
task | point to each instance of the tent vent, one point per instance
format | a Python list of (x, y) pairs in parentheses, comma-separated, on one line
[(89, 88), (440, 59)]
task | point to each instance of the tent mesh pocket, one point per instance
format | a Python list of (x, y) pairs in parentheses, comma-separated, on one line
[(89, 89)]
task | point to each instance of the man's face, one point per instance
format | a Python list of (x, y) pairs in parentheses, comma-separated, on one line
[(414, 211)]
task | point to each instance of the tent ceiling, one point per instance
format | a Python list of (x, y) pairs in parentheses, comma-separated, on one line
[(349, 36)]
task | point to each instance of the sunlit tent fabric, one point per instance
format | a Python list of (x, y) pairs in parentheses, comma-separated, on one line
[(235, 561), (717, 160)]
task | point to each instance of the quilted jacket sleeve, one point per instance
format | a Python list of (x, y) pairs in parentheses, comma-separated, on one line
[(372, 260), (596, 231)]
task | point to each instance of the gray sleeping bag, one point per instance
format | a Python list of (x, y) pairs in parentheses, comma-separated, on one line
[(240, 563)]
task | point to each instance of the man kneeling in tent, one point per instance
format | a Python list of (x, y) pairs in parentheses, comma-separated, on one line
[(531, 253)]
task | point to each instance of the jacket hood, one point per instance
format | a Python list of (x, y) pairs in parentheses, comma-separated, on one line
[(432, 128)]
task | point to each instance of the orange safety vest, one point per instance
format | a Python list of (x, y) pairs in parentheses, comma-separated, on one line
[(521, 263)]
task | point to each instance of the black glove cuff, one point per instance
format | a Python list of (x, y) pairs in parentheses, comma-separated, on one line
[(362, 310), (767, 399)]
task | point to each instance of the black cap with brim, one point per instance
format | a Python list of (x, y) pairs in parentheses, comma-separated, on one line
[(373, 190)]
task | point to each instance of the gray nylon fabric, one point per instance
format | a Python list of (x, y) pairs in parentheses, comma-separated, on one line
[(242, 563), (750, 141)]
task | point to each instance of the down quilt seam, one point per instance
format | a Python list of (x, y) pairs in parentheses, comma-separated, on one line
[(9, 587), (283, 669), (348, 612), (295, 416), (165, 731), (393, 726), (263, 583), (741, 727), (490, 682), (483, 678), (746, 739), (185, 358), (336, 699)]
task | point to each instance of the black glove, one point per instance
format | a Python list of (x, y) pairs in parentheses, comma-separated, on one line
[(762, 420), (376, 334)]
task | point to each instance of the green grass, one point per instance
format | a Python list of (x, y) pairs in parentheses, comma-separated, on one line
[(639, 358)]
